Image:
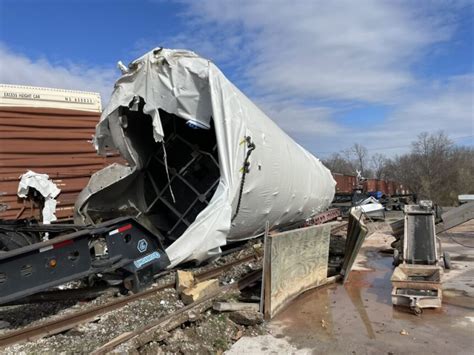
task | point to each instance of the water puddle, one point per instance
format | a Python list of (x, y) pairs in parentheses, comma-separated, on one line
[(360, 314)]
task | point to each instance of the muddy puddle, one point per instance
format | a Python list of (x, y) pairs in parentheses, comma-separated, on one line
[(359, 318)]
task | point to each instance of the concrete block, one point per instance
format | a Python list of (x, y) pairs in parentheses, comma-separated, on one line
[(184, 280), (200, 291)]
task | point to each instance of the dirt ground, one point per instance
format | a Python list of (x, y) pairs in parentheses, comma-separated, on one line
[(355, 318), (358, 317), (209, 333)]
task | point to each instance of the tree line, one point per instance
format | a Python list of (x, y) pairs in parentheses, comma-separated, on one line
[(434, 168)]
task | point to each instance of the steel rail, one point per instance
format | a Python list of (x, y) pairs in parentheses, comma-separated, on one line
[(148, 332), (59, 325)]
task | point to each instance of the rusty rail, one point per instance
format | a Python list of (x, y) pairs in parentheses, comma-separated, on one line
[(56, 326), (339, 227), (160, 328), (59, 325)]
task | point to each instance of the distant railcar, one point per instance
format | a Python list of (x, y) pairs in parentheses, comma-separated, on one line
[(392, 194)]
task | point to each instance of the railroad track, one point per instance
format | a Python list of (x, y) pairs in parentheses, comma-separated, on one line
[(159, 329), (70, 321), (339, 227), (56, 326)]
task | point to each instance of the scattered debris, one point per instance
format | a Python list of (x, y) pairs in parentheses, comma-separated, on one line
[(372, 208), (235, 306), (246, 318), (42, 184), (215, 332), (238, 335), (199, 291), (184, 280), (258, 249)]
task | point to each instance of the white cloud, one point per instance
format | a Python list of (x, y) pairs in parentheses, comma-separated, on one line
[(346, 50), (297, 118), (447, 106), (16, 68), (307, 62), (444, 106)]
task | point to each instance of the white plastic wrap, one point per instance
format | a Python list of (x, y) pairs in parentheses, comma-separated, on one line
[(45, 187), (285, 183)]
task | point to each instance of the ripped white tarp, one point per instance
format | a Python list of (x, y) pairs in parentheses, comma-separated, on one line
[(47, 188), (285, 182)]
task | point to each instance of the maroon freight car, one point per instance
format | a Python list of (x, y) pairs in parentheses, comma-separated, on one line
[(347, 184), (48, 131)]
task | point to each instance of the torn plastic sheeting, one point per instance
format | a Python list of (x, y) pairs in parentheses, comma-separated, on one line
[(284, 183), (47, 188), (371, 207)]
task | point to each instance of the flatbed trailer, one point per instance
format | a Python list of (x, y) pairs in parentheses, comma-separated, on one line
[(121, 249)]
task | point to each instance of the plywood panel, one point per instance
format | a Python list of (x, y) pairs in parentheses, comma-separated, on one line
[(295, 261)]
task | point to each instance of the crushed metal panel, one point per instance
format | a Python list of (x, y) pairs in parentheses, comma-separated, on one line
[(294, 262), (356, 233)]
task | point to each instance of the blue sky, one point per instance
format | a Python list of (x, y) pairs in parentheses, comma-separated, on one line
[(329, 73)]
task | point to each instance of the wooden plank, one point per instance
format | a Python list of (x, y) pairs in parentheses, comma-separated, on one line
[(235, 306), (455, 217), (294, 262)]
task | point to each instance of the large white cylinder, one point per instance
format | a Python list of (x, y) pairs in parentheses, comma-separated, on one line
[(175, 108)]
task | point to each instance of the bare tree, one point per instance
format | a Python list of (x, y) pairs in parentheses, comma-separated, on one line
[(435, 169), (358, 154), (379, 165), (339, 164), (432, 164)]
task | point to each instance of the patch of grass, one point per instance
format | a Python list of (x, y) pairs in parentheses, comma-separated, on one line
[(220, 343)]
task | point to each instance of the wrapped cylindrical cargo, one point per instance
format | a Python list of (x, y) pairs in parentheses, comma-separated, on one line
[(206, 165)]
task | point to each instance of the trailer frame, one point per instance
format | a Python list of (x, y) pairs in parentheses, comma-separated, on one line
[(122, 246)]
